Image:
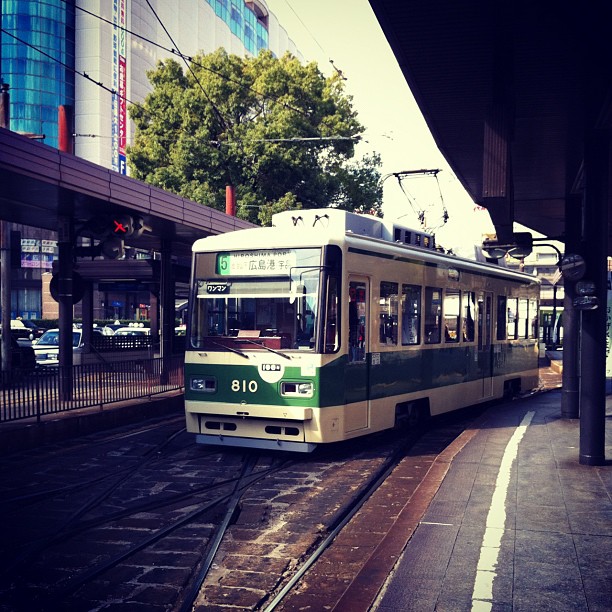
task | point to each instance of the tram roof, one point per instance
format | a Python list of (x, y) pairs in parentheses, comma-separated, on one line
[(269, 238)]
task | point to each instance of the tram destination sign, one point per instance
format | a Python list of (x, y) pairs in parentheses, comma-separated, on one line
[(274, 262)]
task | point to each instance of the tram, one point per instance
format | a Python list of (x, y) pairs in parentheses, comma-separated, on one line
[(331, 325)]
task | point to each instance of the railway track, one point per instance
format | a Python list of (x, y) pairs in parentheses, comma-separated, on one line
[(147, 516)]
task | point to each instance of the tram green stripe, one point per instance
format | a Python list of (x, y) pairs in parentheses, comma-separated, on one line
[(341, 382)]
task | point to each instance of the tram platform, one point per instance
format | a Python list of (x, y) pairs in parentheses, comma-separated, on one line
[(505, 519)]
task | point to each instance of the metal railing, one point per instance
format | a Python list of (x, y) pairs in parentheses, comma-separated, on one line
[(44, 391)]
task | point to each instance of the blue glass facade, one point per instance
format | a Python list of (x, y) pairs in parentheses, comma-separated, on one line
[(38, 83), (243, 23)]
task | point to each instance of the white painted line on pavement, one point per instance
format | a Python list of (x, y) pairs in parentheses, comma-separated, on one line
[(486, 571)]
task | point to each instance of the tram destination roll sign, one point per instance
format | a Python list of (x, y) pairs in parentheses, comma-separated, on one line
[(276, 262)]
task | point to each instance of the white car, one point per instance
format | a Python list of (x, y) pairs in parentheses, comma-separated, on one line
[(46, 348), (132, 331)]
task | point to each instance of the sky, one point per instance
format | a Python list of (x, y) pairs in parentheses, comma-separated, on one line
[(347, 32)]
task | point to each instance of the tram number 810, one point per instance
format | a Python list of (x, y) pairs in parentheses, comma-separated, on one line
[(244, 386)]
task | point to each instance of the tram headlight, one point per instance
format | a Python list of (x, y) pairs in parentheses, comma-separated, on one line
[(297, 389), (205, 384)]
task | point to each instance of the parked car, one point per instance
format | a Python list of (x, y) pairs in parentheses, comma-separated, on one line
[(133, 331), (19, 330), (109, 330), (22, 356), (46, 348), (35, 330)]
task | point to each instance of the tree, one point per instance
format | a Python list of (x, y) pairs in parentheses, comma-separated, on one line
[(278, 131)]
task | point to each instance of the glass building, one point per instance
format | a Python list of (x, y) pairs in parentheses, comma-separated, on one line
[(37, 53)]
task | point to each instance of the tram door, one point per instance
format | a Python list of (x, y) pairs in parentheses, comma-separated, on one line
[(485, 345), (357, 378)]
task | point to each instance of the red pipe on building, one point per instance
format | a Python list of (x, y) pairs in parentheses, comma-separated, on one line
[(230, 200), (65, 138)]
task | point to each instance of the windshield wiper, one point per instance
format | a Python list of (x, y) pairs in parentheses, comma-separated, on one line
[(266, 347), (229, 348)]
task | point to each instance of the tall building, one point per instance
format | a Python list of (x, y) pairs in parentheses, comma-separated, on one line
[(48, 45)]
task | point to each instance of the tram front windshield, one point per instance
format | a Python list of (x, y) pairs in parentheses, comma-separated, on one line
[(268, 298)]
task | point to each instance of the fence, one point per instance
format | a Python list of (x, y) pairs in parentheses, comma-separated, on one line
[(27, 394)]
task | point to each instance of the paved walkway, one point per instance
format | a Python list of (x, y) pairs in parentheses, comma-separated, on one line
[(517, 523)]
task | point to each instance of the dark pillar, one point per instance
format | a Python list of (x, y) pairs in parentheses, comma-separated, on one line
[(570, 392), (88, 316), (65, 299), (5, 256), (167, 308), (5, 293), (154, 315), (593, 340)]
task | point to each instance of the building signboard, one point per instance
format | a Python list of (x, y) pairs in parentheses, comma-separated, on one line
[(119, 99)]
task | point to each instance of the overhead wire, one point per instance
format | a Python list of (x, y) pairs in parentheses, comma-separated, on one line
[(193, 74), (331, 61), (110, 90), (185, 58), (417, 208)]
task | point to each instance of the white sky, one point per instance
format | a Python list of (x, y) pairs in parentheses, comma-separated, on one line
[(347, 32)]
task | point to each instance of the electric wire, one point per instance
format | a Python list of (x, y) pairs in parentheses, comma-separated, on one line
[(193, 74), (331, 61), (110, 90), (418, 209), (189, 58), (114, 92)]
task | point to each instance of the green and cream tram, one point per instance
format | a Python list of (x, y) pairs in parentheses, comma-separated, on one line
[(332, 325)]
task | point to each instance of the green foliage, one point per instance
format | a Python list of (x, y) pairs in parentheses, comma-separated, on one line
[(198, 132)]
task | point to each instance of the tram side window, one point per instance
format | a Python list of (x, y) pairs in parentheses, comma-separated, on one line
[(433, 315), (452, 311), (388, 313), (357, 321), (512, 319), (332, 339), (411, 314), (467, 320), (501, 317), (533, 315), (523, 319)]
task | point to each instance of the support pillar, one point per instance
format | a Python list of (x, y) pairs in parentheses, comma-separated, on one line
[(5, 255), (570, 391), (593, 337), (65, 298), (87, 316), (5, 293), (167, 309)]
